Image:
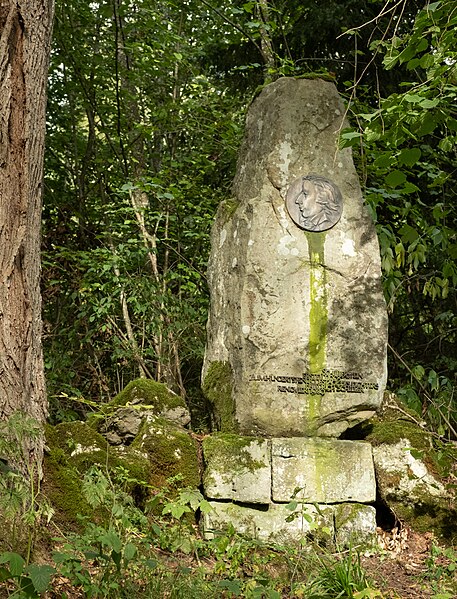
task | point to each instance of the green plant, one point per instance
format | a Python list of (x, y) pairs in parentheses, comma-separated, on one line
[(28, 580), (442, 571), (21, 503), (342, 578)]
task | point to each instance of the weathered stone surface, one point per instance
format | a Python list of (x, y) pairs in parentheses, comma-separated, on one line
[(237, 468), (403, 477), (355, 525), (297, 328), (325, 470), (270, 524), (410, 470)]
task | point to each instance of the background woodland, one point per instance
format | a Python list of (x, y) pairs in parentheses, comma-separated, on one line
[(146, 104)]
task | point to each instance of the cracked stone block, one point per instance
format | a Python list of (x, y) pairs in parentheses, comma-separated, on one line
[(237, 468)]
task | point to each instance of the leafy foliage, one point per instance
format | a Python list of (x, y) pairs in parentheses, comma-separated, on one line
[(408, 158)]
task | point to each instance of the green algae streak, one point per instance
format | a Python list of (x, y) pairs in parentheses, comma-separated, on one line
[(318, 314)]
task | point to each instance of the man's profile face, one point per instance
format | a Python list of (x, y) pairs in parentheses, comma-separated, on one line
[(306, 201)]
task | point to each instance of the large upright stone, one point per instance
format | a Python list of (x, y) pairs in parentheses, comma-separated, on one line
[(297, 328)]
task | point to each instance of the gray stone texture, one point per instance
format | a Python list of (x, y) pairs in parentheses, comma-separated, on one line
[(270, 524), (237, 468), (285, 302), (325, 470), (405, 478), (355, 525)]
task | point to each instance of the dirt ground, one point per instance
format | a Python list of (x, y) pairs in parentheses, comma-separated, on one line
[(403, 569)]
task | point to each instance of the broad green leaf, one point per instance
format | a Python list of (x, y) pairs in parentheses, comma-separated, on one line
[(408, 233), (395, 178), (205, 507), (351, 135), (129, 551), (40, 576), (111, 540), (15, 561), (5, 574), (426, 103), (413, 98), (232, 586), (409, 156), (384, 161)]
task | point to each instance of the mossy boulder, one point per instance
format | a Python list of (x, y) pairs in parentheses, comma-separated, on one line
[(409, 470), (72, 449), (171, 452), (121, 419)]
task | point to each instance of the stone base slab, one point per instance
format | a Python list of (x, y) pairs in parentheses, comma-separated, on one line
[(341, 525)]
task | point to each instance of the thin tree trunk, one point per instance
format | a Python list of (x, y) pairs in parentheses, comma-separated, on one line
[(25, 34)]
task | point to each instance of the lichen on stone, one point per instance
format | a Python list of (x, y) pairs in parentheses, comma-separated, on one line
[(226, 210), (228, 452)]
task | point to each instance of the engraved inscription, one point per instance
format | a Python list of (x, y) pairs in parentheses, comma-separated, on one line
[(314, 203), (327, 381)]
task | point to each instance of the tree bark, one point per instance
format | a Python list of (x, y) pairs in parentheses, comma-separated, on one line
[(25, 35)]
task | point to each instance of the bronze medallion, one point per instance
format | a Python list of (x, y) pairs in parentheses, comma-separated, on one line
[(314, 203)]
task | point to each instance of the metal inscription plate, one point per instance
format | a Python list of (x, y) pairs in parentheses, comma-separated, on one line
[(314, 203)]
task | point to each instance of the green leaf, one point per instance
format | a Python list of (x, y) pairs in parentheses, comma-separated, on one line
[(130, 551), (15, 561), (384, 161), (351, 135), (116, 557), (408, 233), (413, 98), (110, 539), (27, 587), (429, 103), (232, 586), (205, 507), (409, 156), (395, 178), (40, 576), (292, 506)]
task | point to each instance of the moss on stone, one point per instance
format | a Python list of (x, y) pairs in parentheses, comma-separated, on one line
[(390, 432), (228, 452), (217, 388), (226, 210), (171, 452), (72, 449), (428, 516), (149, 393)]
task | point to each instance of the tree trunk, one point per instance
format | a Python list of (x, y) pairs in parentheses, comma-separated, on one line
[(25, 34)]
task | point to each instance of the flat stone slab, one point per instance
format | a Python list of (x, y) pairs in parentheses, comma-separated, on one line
[(324, 470), (237, 468), (269, 524)]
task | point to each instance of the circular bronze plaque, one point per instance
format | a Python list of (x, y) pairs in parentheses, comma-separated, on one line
[(314, 203)]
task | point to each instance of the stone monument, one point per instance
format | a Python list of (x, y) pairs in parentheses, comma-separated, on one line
[(297, 330)]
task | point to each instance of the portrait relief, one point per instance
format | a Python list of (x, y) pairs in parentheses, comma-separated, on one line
[(314, 203)]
